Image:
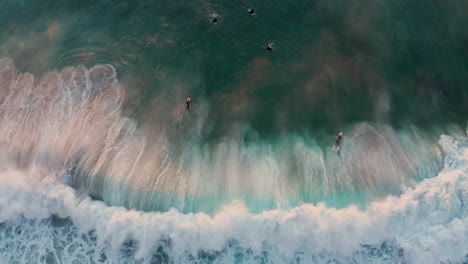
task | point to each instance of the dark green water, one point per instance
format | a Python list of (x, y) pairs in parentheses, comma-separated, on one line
[(335, 62)]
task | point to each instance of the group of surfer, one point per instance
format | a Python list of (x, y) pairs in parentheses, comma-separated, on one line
[(251, 11), (269, 47)]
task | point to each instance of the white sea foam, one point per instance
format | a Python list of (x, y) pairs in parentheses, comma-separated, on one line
[(429, 222)]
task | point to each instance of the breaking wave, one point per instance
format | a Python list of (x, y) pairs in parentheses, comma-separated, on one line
[(70, 125), (64, 140)]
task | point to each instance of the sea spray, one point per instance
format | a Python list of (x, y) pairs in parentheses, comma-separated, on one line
[(426, 223)]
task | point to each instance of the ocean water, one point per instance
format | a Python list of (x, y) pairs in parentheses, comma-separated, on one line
[(100, 162)]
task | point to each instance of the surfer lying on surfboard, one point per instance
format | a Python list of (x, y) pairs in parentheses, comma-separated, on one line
[(339, 137), (187, 104)]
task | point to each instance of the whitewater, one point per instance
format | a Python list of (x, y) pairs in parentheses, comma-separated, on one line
[(71, 164)]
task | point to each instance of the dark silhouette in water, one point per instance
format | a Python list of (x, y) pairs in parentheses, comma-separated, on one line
[(252, 11), (269, 47), (339, 138), (188, 102), (215, 20)]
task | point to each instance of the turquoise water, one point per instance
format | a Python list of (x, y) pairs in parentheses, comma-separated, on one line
[(92, 116)]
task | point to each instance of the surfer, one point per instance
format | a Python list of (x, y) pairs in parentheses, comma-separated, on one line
[(215, 20), (269, 47), (252, 11), (339, 138), (188, 102)]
